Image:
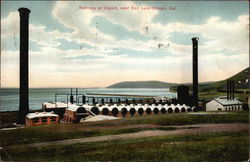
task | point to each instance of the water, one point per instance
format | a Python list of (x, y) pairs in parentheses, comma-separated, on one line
[(9, 97)]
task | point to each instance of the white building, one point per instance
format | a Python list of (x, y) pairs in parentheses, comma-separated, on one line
[(222, 104)]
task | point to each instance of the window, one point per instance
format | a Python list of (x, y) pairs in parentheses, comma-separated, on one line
[(53, 119), (44, 120), (35, 120), (219, 109), (225, 109)]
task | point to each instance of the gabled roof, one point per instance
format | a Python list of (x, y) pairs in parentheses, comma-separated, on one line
[(41, 114), (223, 101)]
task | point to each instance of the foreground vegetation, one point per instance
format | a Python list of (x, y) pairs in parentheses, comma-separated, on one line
[(229, 146), (71, 131)]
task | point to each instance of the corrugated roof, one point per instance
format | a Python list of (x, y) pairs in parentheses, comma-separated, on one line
[(225, 102)]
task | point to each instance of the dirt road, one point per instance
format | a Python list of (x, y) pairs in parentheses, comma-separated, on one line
[(181, 130)]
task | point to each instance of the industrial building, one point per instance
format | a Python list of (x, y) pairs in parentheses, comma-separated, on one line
[(223, 104), (57, 107), (41, 118), (75, 113)]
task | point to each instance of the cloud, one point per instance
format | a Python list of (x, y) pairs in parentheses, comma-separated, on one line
[(224, 35), (99, 60), (83, 32), (10, 25)]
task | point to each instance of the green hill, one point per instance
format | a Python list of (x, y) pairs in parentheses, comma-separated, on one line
[(241, 80), (142, 84)]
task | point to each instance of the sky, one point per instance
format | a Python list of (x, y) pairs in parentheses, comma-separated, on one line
[(99, 43)]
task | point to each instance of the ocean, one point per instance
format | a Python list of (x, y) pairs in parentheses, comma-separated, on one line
[(9, 97)]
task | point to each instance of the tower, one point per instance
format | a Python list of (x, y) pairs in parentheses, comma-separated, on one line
[(24, 65)]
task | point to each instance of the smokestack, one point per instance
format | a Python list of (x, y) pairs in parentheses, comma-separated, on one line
[(232, 89), (24, 65), (93, 101), (102, 101), (126, 101), (71, 97), (227, 89), (76, 96), (133, 101), (195, 71), (83, 99)]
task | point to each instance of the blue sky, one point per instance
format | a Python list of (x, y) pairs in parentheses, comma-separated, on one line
[(73, 47)]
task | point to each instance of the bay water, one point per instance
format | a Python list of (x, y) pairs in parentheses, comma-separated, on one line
[(9, 97)]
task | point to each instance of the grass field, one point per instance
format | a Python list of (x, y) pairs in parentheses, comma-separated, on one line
[(70, 131), (230, 146), (205, 146)]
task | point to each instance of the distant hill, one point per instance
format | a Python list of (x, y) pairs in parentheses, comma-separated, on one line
[(142, 84), (241, 82)]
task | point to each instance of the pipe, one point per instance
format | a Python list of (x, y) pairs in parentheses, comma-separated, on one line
[(71, 99), (76, 95), (230, 89), (233, 89), (133, 101), (111, 101), (119, 101), (141, 102), (24, 65), (126, 101), (102, 101), (195, 71), (83, 99), (227, 89)]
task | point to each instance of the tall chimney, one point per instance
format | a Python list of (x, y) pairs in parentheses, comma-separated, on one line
[(76, 95), (71, 97), (195, 71), (228, 89), (232, 89), (24, 65)]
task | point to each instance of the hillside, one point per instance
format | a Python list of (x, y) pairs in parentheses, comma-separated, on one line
[(241, 82), (142, 84)]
